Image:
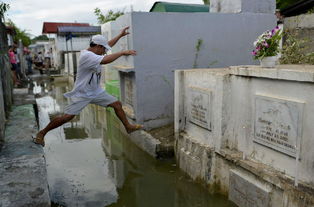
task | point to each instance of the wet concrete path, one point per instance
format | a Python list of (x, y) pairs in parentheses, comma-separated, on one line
[(23, 180), (91, 162)]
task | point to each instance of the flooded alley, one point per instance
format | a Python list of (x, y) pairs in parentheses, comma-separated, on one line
[(91, 162), (211, 103)]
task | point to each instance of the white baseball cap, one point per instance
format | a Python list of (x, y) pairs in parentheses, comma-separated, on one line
[(100, 40)]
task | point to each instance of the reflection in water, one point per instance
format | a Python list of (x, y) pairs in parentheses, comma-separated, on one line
[(81, 174), (77, 168), (78, 174), (144, 181)]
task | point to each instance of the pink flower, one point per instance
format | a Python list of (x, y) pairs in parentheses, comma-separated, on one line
[(275, 30), (265, 44)]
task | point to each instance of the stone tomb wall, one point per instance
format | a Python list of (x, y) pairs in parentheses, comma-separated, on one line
[(258, 122), (271, 116), (151, 70)]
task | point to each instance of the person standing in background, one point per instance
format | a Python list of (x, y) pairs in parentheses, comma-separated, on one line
[(39, 62), (47, 60), (13, 65), (51, 58), (29, 61), (19, 74)]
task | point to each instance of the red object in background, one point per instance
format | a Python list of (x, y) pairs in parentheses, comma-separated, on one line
[(52, 27)]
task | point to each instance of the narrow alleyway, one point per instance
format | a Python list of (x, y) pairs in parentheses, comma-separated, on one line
[(217, 98), (90, 162), (87, 162)]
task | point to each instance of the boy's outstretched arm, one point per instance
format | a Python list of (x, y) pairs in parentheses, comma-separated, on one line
[(113, 41), (112, 57)]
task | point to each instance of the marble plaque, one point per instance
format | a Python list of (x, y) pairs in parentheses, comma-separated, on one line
[(278, 123), (128, 90), (199, 108), (247, 192)]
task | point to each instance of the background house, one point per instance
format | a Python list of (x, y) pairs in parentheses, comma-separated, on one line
[(61, 44), (72, 40), (10, 33)]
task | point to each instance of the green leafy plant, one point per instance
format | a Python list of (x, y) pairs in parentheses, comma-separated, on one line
[(267, 44), (197, 48), (295, 50), (4, 8), (20, 34), (40, 37), (109, 16), (311, 11)]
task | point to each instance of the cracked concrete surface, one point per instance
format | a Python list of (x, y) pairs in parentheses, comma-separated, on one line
[(23, 176)]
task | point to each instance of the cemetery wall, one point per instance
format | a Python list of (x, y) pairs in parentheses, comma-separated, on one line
[(198, 40), (302, 28), (247, 131), (6, 86), (242, 6)]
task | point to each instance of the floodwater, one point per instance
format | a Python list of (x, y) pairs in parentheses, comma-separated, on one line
[(91, 162)]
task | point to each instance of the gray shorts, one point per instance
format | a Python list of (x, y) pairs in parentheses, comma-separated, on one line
[(77, 104)]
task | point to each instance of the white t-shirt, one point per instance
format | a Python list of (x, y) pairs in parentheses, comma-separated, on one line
[(87, 82)]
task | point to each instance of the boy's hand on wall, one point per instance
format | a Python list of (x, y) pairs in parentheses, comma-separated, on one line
[(129, 52), (125, 31)]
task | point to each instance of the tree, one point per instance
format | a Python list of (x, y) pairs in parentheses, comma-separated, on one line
[(3, 9), (40, 37), (110, 16), (20, 34)]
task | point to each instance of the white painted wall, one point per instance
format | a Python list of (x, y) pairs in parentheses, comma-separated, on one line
[(243, 6), (78, 43), (109, 72), (234, 110), (304, 21), (225, 6), (167, 41), (71, 62)]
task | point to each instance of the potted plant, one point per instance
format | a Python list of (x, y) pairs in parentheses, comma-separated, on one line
[(267, 47)]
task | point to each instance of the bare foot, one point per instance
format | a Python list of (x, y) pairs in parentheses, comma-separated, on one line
[(39, 139), (133, 128)]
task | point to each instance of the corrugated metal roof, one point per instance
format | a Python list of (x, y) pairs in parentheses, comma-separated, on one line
[(160, 6), (79, 30), (52, 27)]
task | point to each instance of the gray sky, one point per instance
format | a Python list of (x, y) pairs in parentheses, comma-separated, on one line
[(30, 14)]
